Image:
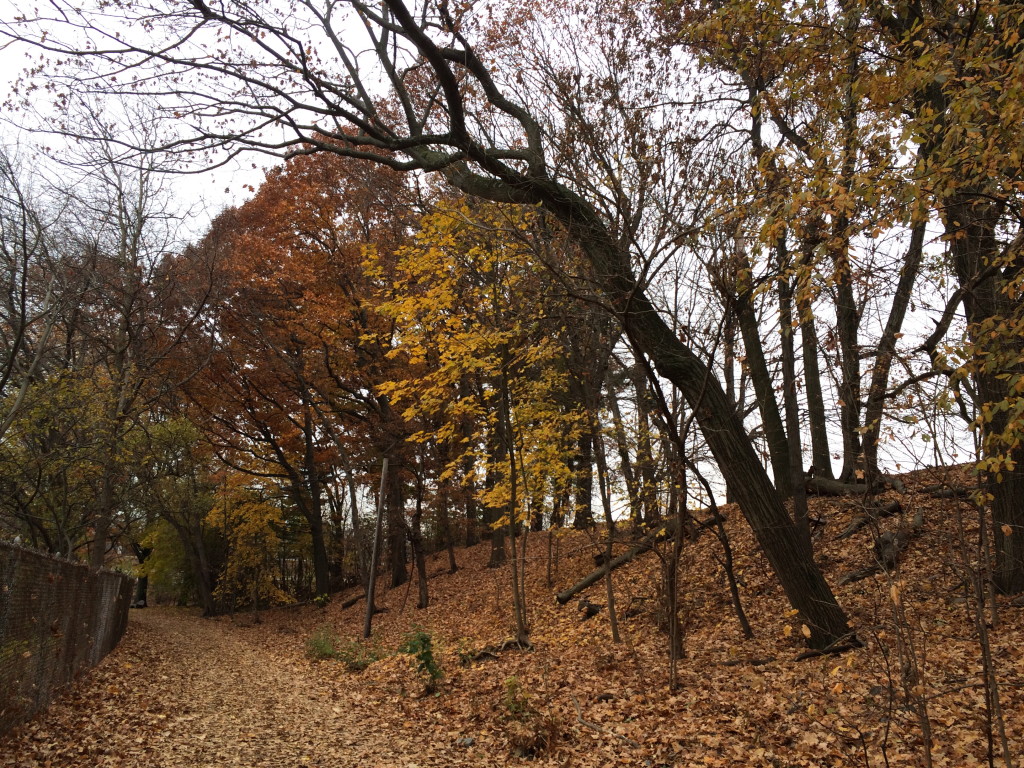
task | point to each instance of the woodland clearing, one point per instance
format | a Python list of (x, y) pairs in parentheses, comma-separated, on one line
[(186, 691)]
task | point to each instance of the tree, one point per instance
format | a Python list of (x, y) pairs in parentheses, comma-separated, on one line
[(445, 111), (300, 347), (250, 524), (27, 314), (946, 75), (177, 486), (474, 310)]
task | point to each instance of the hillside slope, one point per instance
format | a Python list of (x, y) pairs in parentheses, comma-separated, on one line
[(739, 702), (577, 698)]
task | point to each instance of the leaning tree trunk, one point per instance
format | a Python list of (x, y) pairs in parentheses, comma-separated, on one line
[(758, 499)]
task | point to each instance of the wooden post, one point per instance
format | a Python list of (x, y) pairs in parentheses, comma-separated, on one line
[(375, 556)]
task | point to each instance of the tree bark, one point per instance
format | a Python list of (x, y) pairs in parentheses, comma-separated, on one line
[(821, 456), (776, 533), (971, 221), (793, 439), (584, 484), (873, 409), (397, 557), (764, 390)]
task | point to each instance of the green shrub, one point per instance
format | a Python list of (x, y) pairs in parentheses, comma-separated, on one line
[(419, 644), (515, 701), (325, 644), (322, 644), (357, 656)]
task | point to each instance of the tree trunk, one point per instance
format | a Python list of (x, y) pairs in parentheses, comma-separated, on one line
[(497, 455), (762, 507), (886, 351), (971, 222), (847, 322), (416, 539), (794, 441), (821, 456), (397, 557), (371, 582), (606, 504), (101, 523), (584, 511), (764, 389), (625, 463), (644, 452)]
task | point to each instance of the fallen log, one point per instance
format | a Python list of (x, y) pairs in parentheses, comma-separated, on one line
[(886, 551), (887, 510), (823, 486), (943, 491), (352, 601), (646, 544)]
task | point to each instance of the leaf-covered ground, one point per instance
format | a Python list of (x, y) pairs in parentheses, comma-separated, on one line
[(184, 691)]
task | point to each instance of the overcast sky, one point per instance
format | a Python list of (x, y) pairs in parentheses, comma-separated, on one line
[(203, 194)]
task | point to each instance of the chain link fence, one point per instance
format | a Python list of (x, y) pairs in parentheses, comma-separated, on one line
[(56, 619)]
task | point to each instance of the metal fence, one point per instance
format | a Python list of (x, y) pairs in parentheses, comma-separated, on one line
[(56, 619)]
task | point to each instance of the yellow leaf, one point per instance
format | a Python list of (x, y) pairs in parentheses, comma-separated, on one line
[(787, 630), (805, 630), (837, 688), (1007, 530)]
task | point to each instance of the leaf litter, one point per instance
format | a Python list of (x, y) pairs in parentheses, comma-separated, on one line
[(181, 690)]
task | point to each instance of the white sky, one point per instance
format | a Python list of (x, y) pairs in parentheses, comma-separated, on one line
[(199, 196), (204, 195)]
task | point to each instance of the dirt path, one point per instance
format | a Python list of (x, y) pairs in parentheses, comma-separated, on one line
[(183, 691)]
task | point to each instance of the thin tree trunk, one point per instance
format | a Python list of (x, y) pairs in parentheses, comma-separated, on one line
[(764, 390), (625, 463), (498, 456), (644, 451), (371, 585), (416, 538), (396, 525), (886, 352), (314, 510), (794, 441), (606, 503), (518, 576), (821, 456)]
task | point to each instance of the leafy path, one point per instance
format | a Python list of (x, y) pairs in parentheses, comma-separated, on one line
[(183, 691)]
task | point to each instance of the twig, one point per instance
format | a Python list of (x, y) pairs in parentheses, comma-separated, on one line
[(596, 727)]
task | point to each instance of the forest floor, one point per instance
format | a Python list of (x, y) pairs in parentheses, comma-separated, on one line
[(186, 691)]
